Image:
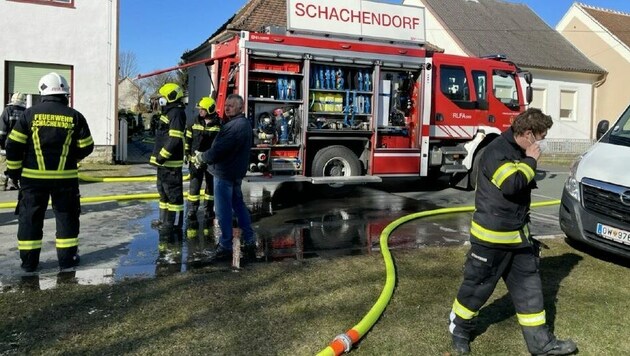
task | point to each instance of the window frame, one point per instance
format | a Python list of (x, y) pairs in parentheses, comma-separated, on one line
[(57, 3), (574, 109)]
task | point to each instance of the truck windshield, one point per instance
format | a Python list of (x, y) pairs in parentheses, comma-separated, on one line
[(504, 88), (620, 133)]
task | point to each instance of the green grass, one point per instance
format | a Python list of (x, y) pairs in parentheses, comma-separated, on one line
[(292, 308)]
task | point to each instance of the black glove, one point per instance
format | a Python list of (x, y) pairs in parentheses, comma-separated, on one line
[(160, 159), (14, 175)]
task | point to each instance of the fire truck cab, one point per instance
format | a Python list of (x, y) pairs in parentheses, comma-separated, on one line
[(341, 109)]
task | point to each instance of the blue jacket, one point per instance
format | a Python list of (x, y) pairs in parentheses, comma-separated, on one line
[(228, 158)]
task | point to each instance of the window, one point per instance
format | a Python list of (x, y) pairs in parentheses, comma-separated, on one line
[(567, 105), (62, 3), (24, 76), (504, 88), (479, 78), (539, 99), (453, 83)]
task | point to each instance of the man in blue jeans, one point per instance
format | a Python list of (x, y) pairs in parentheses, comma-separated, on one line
[(228, 160)]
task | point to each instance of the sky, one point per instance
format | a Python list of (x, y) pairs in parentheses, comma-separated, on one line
[(159, 32)]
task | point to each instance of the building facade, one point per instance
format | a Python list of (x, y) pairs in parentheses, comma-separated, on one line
[(76, 38), (603, 36)]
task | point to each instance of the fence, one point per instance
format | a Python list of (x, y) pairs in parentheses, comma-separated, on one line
[(568, 146)]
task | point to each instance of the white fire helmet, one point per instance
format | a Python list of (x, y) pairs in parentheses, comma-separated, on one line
[(53, 84)]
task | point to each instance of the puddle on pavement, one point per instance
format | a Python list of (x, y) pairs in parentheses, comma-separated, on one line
[(292, 227)]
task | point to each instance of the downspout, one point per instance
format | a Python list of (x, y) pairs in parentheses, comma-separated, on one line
[(596, 85)]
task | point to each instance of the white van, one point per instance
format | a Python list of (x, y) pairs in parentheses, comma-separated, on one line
[(595, 205)]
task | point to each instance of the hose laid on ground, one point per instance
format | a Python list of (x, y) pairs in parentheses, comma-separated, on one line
[(344, 342), (101, 198), (151, 178)]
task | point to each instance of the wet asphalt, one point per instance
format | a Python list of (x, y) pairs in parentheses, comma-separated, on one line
[(292, 221)]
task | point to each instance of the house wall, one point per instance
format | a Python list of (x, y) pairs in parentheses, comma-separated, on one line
[(612, 97), (84, 37), (436, 34), (553, 83), (128, 94)]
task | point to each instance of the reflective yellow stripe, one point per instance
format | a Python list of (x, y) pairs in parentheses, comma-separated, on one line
[(164, 119), (64, 150), (170, 164), (164, 153), (502, 173), (85, 142), (462, 311), (193, 198), (497, 237), (213, 128), (208, 197), (14, 164), (198, 127), (17, 136), (535, 319), (38, 150), (29, 245), (43, 174), (526, 170), (66, 243), (175, 207), (176, 133), (188, 133), (163, 205), (173, 164)]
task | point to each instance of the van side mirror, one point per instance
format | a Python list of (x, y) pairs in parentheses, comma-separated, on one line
[(529, 94), (602, 128), (528, 77)]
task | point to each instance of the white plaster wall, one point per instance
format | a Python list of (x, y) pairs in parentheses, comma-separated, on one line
[(553, 83), (85, 37), (199, 83), (436, 34)]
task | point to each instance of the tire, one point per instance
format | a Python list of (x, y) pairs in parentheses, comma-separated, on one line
[(474, 171), (335, 161)]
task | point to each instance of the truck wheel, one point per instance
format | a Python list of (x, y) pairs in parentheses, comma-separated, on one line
[(474, 171), (335, 161)]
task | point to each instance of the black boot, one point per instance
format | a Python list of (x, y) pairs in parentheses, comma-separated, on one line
[(174, 221), (157, 223), (192, 210), (249, 252), (559, 347), (461, 346)]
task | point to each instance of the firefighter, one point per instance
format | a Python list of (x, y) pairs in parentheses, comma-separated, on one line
[(43, 150), (168, 156), (199, 137), (501, 244), (9, 117)]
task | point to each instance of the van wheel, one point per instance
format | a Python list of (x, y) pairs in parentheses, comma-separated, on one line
[(335, 161)]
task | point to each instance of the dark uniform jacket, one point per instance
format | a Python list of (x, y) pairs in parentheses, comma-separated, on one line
[(228, 158), (200, 135), (169, 137), (48, 141), (8, 119), (504, 185)]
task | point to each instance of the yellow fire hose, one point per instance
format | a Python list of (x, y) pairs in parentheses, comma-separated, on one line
[(344, 342), (103, 198)]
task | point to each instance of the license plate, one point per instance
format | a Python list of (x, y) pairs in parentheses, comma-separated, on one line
[(614, 234)]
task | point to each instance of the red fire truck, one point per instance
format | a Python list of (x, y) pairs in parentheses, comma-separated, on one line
[(342, 110)]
